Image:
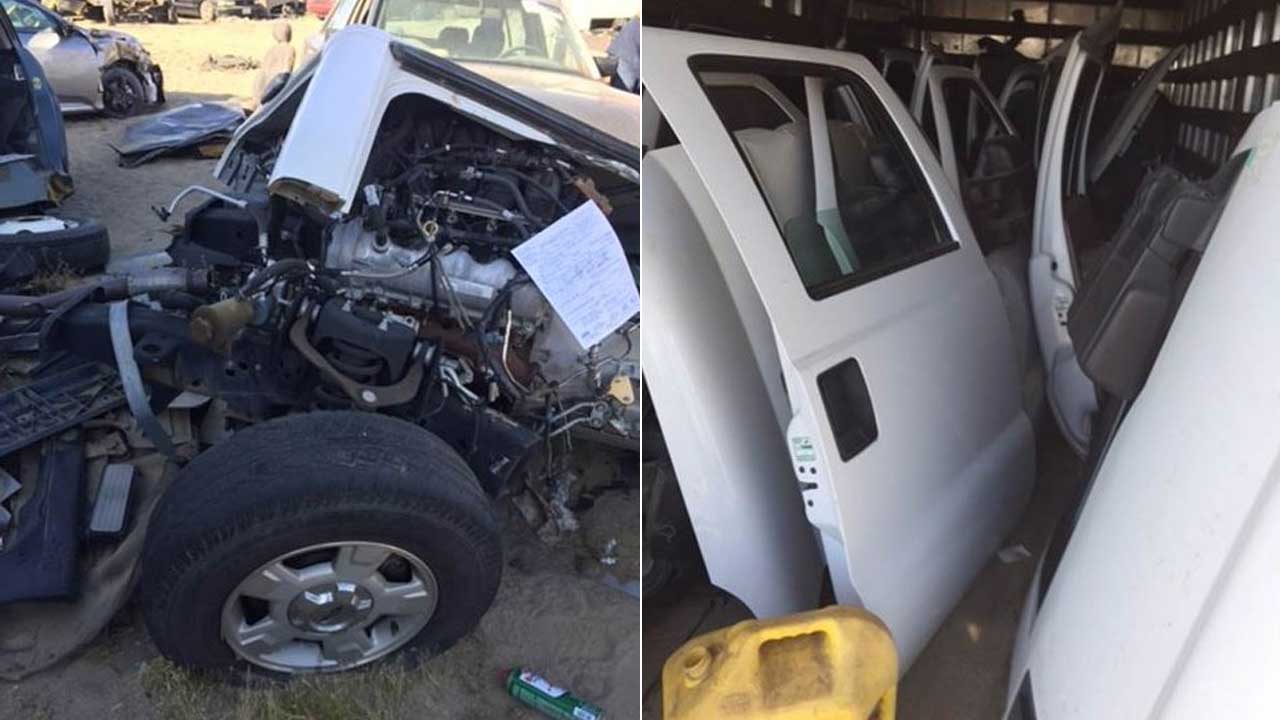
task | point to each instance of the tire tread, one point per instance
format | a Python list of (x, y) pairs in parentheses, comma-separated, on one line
[(229, 491)]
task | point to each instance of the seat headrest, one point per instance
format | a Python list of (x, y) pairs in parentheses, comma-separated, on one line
[(782, 160), (454, 38), (488, 38)]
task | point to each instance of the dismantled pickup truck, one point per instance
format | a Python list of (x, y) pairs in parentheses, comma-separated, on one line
[(348, 362)]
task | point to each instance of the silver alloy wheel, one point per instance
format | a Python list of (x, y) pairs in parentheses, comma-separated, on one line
[(31, 224), (329, 607)]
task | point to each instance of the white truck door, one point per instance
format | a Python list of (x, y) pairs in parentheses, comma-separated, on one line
[(1019, 101), (982, 155), (1073, 85), (907, 435)]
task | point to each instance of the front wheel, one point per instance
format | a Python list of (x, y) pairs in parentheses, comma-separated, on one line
[(318, 543), (208, 12), (122, 92)]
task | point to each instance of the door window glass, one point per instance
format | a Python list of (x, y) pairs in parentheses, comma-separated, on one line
[(853, 206), (1020, 108), (973, 121), (746, 107), (1049, 87), (1082, 106), (529, 33), (901, 76)]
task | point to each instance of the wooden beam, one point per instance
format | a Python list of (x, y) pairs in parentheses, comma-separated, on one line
[(1035, 30), (1259, 60)]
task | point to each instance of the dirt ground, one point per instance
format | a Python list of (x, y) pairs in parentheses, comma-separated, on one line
[(553, 614), (557, 610), (123, 198)]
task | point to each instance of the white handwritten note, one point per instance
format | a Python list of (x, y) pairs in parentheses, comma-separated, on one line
[(578, 264)]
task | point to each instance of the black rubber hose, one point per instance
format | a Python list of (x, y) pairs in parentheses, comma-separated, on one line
[(528, 180), (514, 187), (288, 266), (35, 306)]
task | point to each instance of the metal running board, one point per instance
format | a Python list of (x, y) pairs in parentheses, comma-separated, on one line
[(111, 505)]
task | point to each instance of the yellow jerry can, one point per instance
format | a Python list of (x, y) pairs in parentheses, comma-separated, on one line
[(837, 663)]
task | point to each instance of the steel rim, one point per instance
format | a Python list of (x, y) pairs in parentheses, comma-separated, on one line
[(34, 224), (120, 96), (329, 607)]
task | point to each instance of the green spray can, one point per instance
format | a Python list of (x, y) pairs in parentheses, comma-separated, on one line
[(554, 702)]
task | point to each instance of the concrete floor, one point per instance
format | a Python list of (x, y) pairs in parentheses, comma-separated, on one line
[(963, 672)]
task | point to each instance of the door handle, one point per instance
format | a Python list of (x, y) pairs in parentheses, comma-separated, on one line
[(846, 400)]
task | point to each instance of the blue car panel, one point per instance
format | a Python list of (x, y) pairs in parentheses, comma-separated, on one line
[(45, 177)]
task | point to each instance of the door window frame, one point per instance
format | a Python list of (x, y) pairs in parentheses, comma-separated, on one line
[(947, 240)]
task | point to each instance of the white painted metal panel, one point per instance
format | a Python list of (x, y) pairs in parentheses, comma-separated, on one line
[(355, 79), (712, 373), (1163, 605), (906, 523)]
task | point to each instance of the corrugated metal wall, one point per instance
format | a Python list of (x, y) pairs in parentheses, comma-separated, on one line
[(1229, 73)]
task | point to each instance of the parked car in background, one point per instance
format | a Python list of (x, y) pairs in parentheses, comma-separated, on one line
[(319, 8), (210, 10), (111, 11), (532, 48), (89, 70)]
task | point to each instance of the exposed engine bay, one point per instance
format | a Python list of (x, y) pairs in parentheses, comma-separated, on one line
[(412, 303), (409, 303)]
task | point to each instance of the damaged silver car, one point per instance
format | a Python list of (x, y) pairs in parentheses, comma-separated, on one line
[(90, 70), (347, 358)]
